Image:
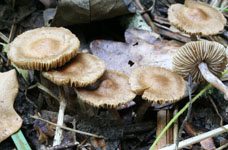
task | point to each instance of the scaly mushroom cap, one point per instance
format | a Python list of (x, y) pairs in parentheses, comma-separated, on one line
[(83, 70), (196, 18), (157, 84), (189, 56), (43, 48), (113, 91)]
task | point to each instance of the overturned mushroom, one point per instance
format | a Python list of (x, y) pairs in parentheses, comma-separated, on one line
[(156, 85), (113, 91), (203, 60), (196, 18), (43, 48)]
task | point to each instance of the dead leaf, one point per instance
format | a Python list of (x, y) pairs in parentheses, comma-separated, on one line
[(98, 143), (141, 48), (10, 121), (208, 144), (84, 11)]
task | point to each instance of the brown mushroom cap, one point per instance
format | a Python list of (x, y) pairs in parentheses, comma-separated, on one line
[(114, 90), (157, 84), (196, 18), (83, 70), (43, 48), (189, 56)]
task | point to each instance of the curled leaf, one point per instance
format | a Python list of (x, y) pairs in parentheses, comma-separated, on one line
[(10, 121)]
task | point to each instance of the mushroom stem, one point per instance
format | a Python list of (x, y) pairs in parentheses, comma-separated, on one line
[(62, 107), (84, 110), (212, 79), (193, 37), (116, 116), (141, 111)]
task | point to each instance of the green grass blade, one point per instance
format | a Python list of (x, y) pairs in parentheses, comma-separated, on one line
[(223, 9), (20, 141)]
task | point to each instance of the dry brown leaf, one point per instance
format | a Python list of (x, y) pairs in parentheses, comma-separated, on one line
[(208, 144), (141, 48), (10, 121), (98, 143), (84, 11)]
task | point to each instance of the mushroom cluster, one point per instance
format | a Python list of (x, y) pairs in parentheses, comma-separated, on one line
[(55, 51)]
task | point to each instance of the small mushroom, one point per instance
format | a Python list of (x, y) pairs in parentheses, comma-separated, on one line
[(196, 18), (113, 91), (203, 60), (83, 70), (156, 85), (43, 48)]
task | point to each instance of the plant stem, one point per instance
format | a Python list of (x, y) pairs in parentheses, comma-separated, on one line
[(114, 112), (66, 128), (141, 111)]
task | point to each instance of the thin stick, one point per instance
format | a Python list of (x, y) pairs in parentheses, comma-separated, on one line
[(66, 128), (4, 38), (222, 147), (198, 138), (146, 17), (189, 110), (64, 146), (62, 107), (175, 126), (217, 112)]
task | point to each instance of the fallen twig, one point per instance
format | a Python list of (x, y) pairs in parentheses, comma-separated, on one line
[(198, 138), (222, 147), (188, 113), (63, 146), (66, 128)]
